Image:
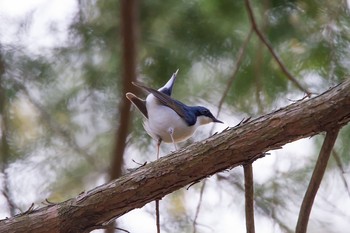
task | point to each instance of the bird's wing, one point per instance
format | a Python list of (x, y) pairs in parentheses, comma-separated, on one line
[(164, 99), (139, 103)]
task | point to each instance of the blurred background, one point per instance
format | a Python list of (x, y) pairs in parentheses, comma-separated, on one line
[(61, 73)]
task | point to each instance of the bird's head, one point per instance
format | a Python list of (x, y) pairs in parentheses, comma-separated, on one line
[(204, 116)]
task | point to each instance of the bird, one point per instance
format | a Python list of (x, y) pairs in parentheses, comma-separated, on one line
[(166, 119)]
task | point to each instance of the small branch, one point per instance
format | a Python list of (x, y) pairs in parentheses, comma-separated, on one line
[(157, 216), (198, 207), (316, 179), (249, 197), (115, 228), (64, 134), (239, 60), (273, 53), (340, 166), (54, 126), (258, 76)]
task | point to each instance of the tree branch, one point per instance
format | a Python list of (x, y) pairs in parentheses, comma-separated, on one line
[(239, 60), (316, 179), (54, 126), (232, 147), (129, 31), (273, 53), (249, 197), (128, 18)]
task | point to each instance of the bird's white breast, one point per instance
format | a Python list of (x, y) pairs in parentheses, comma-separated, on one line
[(162, 120)]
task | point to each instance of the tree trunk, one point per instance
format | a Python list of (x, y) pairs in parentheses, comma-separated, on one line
[(233, 147)]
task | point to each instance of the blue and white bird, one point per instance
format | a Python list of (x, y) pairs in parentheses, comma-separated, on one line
[(166, 119)]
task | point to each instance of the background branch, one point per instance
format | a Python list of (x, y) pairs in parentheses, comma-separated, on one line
[(239, 60), (316, 179), (128, 12), (54, 126), (271, 50), (249, 197)]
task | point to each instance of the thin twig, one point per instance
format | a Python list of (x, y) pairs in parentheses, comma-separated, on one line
[(316, 179), (157, 216), (64, 134), (29, 210), (157, 201), (114, 228), (249, 197), (258, 76), (239, 60), (273, 53), (342, 171), (198, 206), (121, 229)]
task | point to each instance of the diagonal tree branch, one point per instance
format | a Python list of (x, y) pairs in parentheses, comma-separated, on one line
[(273, 53), (316, 179), (54, 126), (239, 60), (231, 148)]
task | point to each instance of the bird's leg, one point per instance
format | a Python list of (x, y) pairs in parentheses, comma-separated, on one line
[(157, 201), (158, 146), (171, 132)]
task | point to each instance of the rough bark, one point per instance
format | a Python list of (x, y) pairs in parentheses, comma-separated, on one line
[(233, 147)]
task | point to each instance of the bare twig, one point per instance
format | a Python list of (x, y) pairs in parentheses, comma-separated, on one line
[(316, 179), (157, 216), (239, 60), (198, 206), (29, 210), (273, 53), (108, 226), (249, 197), (64, 134), (340, 166), (258, 76)]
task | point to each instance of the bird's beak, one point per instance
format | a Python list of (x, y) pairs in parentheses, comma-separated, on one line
[(216, 120)]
